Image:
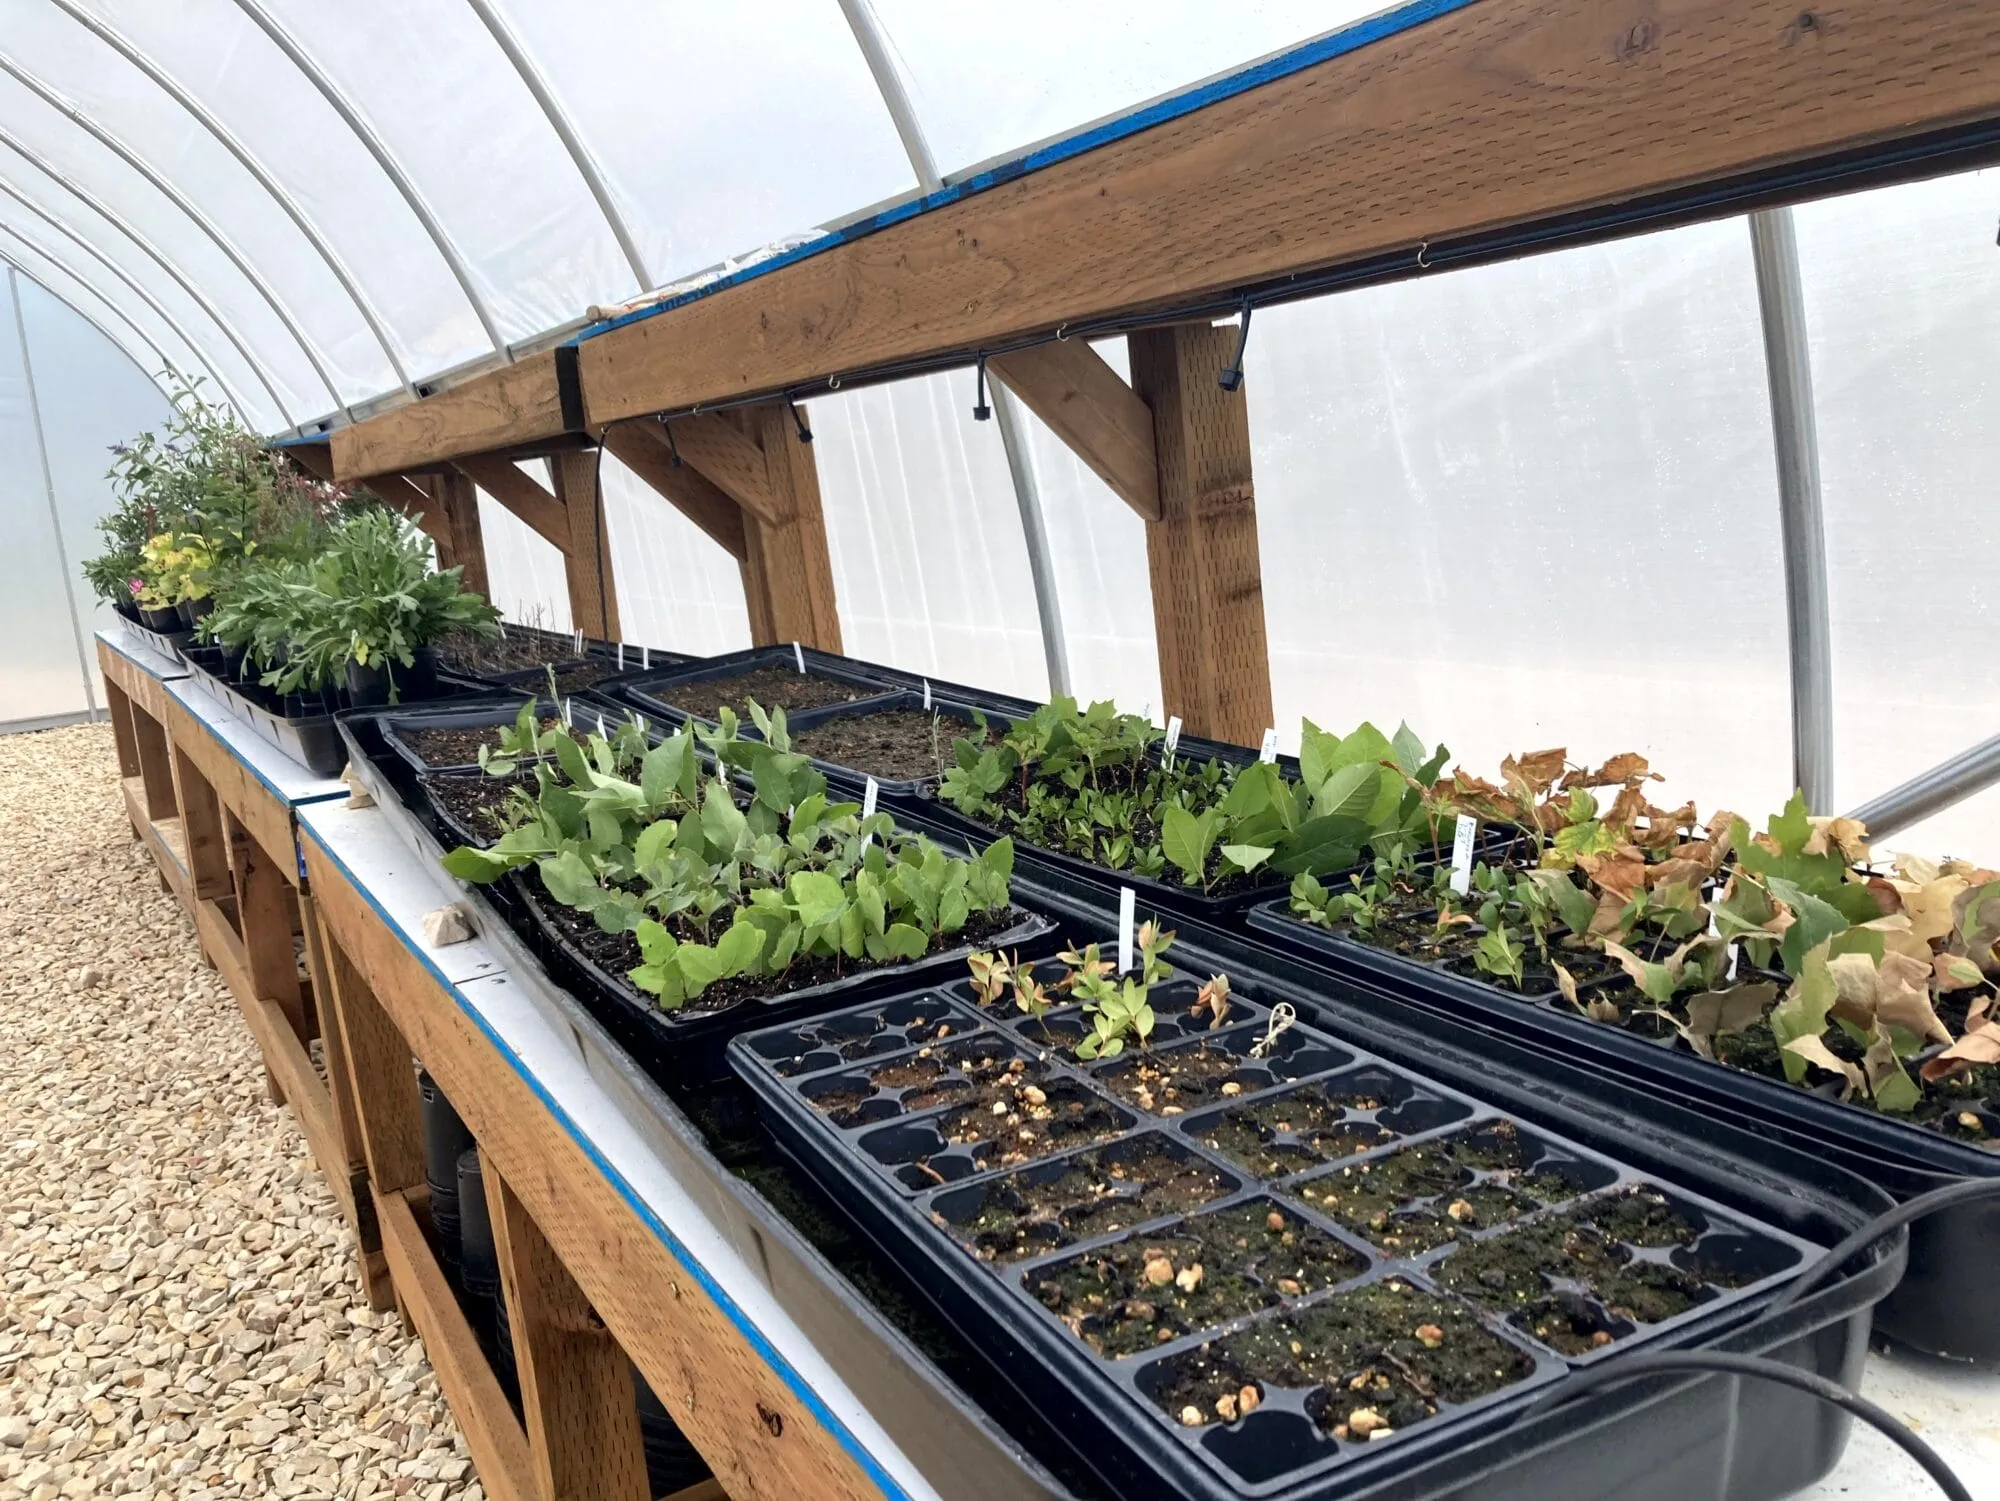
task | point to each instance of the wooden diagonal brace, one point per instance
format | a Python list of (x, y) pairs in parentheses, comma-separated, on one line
[(508, 484), (719, 448), (1104, 421), (642, 447)]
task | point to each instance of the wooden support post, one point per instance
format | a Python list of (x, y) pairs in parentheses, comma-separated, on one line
[(383, 1076), (118, 703), (642, 447), (371, 1262), (577, 1401), (156, 765), (458, 508), (202, 832), (593, 590), (1208, 590)]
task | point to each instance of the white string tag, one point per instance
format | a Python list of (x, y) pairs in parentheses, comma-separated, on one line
[(868, 796), (1270, 751), (799, 656), (602, 733), (1461, 853), (569, 713), (621, 656), (927, 695), (1128, 913), (1282, 1017)]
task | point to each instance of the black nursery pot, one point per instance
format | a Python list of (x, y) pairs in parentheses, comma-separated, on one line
[(190, 611), (369, 687), (168, 619)]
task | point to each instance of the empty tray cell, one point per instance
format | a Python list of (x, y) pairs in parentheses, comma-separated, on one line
[(1634, 1259), (1145, 1290), (1189, 1075), (1356, 1368), (1412, 1200), (980, 1068), (1278, 1135), (828, 1042), (1008, 1120), (1051, 1205)]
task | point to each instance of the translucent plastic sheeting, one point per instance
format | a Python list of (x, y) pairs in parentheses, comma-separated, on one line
[(1098, 547), (676, 588), (1533, 505), (132, 327), (524, 571), (928, 561), (989, 84), (91, 396), (1902, 293)]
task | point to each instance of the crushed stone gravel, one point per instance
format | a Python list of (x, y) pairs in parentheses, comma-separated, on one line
[(179, 1312)]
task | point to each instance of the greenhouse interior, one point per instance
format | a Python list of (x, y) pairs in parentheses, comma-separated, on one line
[(880, 749)]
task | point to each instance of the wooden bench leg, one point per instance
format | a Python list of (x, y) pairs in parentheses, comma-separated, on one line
[(577, 1401)]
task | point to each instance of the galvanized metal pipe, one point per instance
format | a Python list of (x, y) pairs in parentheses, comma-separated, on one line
[(1930, 792), (1808, 618)]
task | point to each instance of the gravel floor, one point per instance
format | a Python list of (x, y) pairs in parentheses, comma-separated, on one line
[(178, 1311)]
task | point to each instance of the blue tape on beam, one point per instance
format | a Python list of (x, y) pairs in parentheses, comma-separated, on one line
[(758, 1342), (1282, 65)]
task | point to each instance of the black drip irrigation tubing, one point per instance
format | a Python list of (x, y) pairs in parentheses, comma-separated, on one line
[(1718, 1362)]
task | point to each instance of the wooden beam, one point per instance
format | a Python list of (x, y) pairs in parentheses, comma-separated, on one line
[(716, 445), (577, 1402), (642, 448), (1088, 405), (315, 459), (520, 403), (1500, 113), (787, 567), (518, 491), (400, 493), (593, 590), (458, 502), (1208, 591)]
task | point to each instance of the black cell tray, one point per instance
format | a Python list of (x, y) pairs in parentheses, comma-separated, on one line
[(308, 737), (1949, 1251), (642, 690), (877, 1155), (483, 713), (168, 644)]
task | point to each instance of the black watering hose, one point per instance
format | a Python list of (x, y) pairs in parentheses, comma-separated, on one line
[(1971, 1191), (1712, 1362)]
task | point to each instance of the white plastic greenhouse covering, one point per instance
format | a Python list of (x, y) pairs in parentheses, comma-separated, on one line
[(1529, 504)]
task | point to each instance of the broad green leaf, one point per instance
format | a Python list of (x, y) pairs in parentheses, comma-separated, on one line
[(723, 825), (700, 967), (660, 772), (737, 950), (998, 857), (1349, 792), (1187, 839), (1408, 749), (1815, 922), (570, 881), (1803, 1012), (481, 867), (906, 942), (569, 755), (654, 841), (1321, 846), (817, 896), (1246, 857)]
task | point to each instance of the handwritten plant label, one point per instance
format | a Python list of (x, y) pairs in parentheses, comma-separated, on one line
[(1461, 854)]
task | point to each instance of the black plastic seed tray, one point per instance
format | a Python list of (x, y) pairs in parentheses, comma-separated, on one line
[(1948, 1251), (558, 650), (1249, 1298), (399, 730), (652, 692), (955, 714)]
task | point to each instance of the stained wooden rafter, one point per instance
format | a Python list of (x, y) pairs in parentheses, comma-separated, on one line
[(1498, 114), (519, 404), (1087, 404), (521, 494), (642, 448)]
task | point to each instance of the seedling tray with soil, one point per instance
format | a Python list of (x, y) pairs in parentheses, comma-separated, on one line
[(522, 656), (768, 674), (448, 740), (1268, 1295), (1905, 1156), (905, 747)]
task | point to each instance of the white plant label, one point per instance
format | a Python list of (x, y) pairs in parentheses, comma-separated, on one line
[(569, 713), (1128, 914), (602, 733), (621, 656), (868, 796), (927, 695), (579, 643), (799, 656), (1173, 733), (1461, 854), (1270, 750), (646, 656)]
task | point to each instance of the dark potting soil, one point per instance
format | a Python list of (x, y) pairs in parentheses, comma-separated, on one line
[(1143, 1292), (476, 803), (1300, 1129), (1573, 1282), (1376, 1361), (930, 1077), (1170, 1083), (510, 653), (895, 745), (1413, 1200), (458, 747), (1095, 1194), (771, 687), (1022, 1121), (580, 675), (617, 954)]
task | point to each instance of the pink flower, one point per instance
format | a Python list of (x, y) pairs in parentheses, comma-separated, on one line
[(136, 587)]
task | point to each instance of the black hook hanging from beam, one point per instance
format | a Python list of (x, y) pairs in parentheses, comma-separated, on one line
[(673, 448), (799, 421), (980, 410), (1230, 377)]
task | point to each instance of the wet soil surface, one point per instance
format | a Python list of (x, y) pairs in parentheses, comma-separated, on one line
[(1173, 1082), (1300, 1129), (1411, 1201), (1095, 1193), (1574, 1282), (617, 954), (895, 745), (476, 804), (1372, 1362), (1143, 1292), (771, 687), (458, 747)]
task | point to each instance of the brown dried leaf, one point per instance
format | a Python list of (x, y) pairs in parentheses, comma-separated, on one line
[(1722, 1013), (1928, 904), (1617, 874), (1566, 983), (1904, 999), (1976, 1049), (1610, 912), (1847, 835), (1626, 809), (1815, 1051), (1536, 770), (1955, 972), (1677, 871)]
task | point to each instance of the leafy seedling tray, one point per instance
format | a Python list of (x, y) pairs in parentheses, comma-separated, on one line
[(1949, 1251), (1335, 1271), (307, 734), (678, 693), (446, 738)]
